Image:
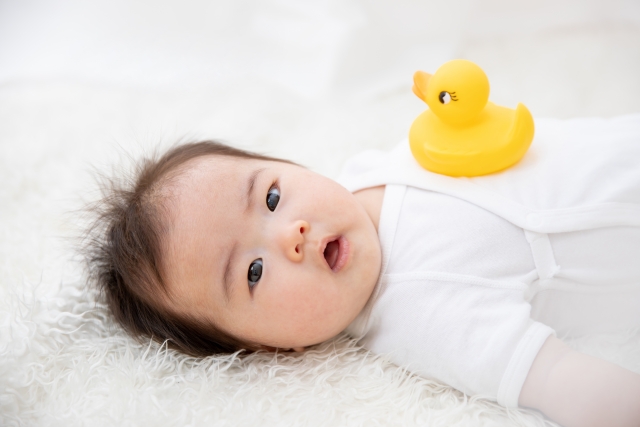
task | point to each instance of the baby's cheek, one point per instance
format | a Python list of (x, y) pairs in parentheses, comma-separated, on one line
[(298, 298), (320, 301), (293, 299)]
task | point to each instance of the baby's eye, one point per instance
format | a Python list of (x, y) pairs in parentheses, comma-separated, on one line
[(444, 97), (273, 197), (255, 272)]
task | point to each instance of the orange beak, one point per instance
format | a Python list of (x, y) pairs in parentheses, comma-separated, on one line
[(420, 81)]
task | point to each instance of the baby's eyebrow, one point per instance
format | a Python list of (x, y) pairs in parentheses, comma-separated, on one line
[(228, 276), (251, 185)]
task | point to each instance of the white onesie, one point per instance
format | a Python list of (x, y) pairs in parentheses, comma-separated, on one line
[(478, 272)]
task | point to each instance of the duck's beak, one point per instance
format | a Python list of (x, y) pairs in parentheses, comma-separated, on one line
[(420, 81)]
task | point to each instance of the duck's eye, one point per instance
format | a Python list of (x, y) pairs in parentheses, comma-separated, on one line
[(444, 97), (273, 197), (255, 272)]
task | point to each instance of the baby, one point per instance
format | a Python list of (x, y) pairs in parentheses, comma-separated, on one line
[(466, 280)]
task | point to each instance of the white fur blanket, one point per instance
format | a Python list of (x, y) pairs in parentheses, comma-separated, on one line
[(62, 360)]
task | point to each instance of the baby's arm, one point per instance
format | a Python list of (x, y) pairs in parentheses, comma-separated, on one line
[(574, 389)]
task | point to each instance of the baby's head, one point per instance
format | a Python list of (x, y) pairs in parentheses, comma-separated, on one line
[(217, 249)]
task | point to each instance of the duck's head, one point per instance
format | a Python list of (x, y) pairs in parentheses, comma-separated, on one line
[(456, 93)]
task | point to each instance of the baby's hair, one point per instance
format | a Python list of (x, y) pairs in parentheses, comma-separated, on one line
[(123, 251)]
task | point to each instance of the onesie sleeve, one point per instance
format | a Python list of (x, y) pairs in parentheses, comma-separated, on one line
[(520, 363), (471, 333)]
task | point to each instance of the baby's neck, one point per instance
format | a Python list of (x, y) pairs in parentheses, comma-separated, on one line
[(371, 200)]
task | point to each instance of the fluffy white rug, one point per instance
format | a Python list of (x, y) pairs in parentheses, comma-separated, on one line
[(63, 362)]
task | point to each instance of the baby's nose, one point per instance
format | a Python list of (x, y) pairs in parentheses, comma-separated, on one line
[(293, 240)]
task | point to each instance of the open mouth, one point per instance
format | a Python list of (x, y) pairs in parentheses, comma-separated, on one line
[(336, 253)]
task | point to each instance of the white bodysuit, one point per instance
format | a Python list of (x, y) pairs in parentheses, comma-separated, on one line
[(478, 272)]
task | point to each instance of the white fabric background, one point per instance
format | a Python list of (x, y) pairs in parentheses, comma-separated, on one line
[(83, 85)]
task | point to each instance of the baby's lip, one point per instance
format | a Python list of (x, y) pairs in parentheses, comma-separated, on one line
[(335, 251)]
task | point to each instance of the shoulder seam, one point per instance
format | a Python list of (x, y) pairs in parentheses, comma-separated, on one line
[(455, 278)]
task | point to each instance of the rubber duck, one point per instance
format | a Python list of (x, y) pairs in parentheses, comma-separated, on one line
[(463, 133)]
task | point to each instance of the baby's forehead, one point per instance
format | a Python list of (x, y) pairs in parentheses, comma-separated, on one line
[(210, 170), (214, 164)]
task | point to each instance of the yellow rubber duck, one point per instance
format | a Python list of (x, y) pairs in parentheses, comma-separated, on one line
[(462, 133)]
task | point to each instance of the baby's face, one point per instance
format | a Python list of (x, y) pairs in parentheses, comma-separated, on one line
[(269, 252)]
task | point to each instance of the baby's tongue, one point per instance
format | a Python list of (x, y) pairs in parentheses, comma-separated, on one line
[(331, 253)]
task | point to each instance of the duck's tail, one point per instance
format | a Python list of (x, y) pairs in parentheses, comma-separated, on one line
[(520, 134)]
